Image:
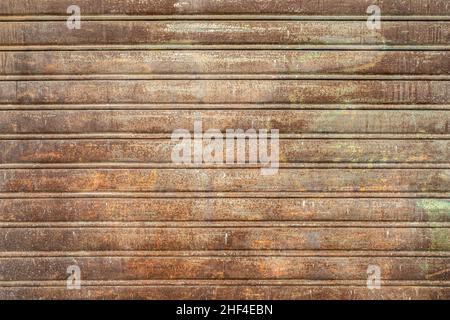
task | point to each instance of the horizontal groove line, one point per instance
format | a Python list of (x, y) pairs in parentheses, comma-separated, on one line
[(227, 281), (374, 47), (170, 166), (206, 106), (225, 254), (166, 139), (207, 287), (221, 225), (329, 165), (200, 17), (202, 282), (240, 195), (124, 135), (279, 76)]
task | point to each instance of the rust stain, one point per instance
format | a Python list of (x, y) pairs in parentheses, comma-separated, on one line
[(87, 179)]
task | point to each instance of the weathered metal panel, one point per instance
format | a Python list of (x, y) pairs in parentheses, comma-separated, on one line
[(264, 268), (292, 151), (198, 238), (86, 170), (172, 7), (225, 92), (88, 209), (214, 64), (225, 33)]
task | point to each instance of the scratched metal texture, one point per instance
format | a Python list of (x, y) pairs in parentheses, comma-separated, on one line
[(86, 176)]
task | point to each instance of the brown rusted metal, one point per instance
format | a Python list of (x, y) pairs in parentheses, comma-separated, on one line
[(171, 7), (86, 170), (225, 33)]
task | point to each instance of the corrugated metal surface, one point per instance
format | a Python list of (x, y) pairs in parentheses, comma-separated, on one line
[(86, 176)]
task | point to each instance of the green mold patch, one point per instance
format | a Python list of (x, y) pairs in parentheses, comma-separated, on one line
[(440, 239), (424, 267), (437, 210)]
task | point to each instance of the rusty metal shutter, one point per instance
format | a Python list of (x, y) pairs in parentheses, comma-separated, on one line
[(86, 177)]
